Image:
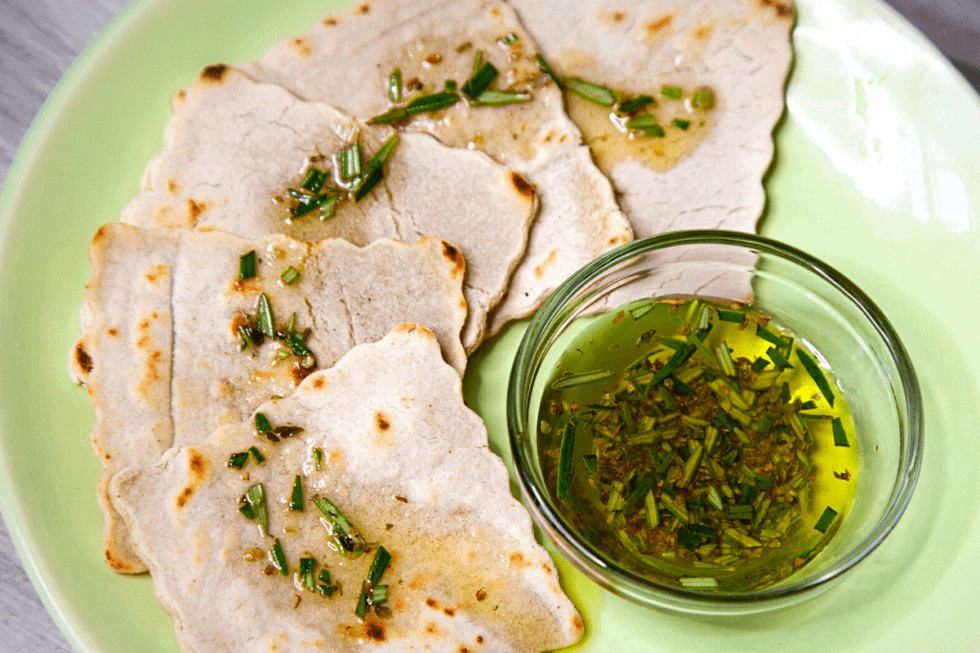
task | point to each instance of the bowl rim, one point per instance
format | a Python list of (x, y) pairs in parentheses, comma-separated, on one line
[(554, 311)]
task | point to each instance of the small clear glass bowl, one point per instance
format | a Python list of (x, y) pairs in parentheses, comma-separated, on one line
[(802, 294)]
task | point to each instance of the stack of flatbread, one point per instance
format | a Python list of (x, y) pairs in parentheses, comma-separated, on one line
[(338, 357)]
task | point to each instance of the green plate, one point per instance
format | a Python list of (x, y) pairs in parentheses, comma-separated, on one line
[(877, 172)]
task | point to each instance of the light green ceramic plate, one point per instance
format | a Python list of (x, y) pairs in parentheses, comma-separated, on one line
[(878, 173)]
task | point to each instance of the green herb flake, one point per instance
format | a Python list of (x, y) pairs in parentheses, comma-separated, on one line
[(480, 80), (680, 123), (262, 425), (840, 436), (595, 93), (393, 115), (289, 276), (548, 70), (266, 322), (317, 458), (703, 98), (238, 460), (635, 104), (395, 85), (259, 458), (349, 159), (565, 461), (314, 180), (278, 558), (345, 540), (306, 576), (296, 498), (816, 374), (573, 380), (499, 98), (432, 102), (246, 266), (256, 499), (826, 519), (672, 92)]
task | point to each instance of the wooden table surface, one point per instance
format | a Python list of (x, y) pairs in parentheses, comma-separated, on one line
[(40, 38)]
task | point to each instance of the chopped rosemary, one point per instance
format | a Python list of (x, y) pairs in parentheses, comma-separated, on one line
[(813, 370), (317, 458), (565, 460), (548, 70), (395, 86), (256, 500), (431, 102), (826, 519), (306, 576), (296, 498), (703, 98), (278, 558), (635, 104), (246, 266), (840, 437), (480, 80), (314, 180), (344, 538), (499, 98), (367, 598), (266, 322), (289, 276), (592, 92)]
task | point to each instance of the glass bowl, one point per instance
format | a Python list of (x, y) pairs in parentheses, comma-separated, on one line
[(871, 369)]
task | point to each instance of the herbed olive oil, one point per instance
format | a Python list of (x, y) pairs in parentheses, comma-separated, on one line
[(698, 443)]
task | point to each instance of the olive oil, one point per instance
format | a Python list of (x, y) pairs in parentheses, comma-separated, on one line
[(698, 443)]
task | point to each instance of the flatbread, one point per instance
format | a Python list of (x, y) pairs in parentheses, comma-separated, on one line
[(233, 145), (160, 354), (740, 49), (407, 462), (346, 59)]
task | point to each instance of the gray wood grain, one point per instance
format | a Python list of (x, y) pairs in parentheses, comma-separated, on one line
[(38, 41)]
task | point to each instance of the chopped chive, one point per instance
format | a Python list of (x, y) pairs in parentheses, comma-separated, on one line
[(395, 85), (256, 499), (314, 180), (635, 104), (296, 499), (814, 371), (591, 92), (673, 92), (266, 323), (393, 115), (278, 558), (480, 80), (548, 69), (703, 98), (379, 594), (306, 577), (826, 519), (574, 380), (499, 98), (259, 458), (246, 266), (317, 458), (349, 159), (565, 460), (238, 460), (431, 102), (840, 437), (680, 124), (262, 425)]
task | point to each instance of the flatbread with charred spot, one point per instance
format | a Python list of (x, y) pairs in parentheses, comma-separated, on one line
[(161, 352), (234, 147), (702, 176), (346, 59), (408, 464)]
